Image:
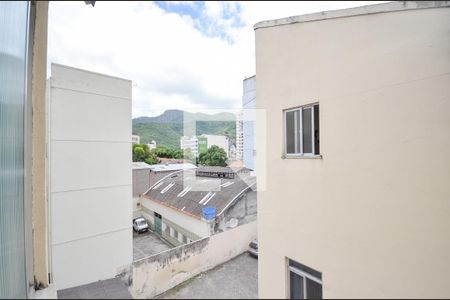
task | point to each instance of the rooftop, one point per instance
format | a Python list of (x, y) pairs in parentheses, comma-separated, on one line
[(188, 193), (171, 167), (140, 165), (355, 11)]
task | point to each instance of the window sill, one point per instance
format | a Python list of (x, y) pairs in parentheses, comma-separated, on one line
[(319, 156)]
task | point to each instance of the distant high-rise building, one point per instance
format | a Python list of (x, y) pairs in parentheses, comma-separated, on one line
[(248, 124), (239, 137), (189, 143), (200, 144)]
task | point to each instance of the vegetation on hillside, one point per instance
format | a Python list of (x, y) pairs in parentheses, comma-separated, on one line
[(168, 128)]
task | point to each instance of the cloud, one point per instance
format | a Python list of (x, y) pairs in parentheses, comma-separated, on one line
[(179, 55)]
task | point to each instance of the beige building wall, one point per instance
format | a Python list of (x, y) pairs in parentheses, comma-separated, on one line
[(373, 214)]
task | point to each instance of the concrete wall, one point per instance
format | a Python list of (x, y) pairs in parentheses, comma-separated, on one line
[(243, 211), (137, 212), (373, 214), (90, 176), (141, 181), (38, 146), (163, 271)]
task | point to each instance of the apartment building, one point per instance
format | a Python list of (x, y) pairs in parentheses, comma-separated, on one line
[(248, 124), (135, 139), (89, 176), (238, 151), (201, 143), (190, 143), (357, 200)]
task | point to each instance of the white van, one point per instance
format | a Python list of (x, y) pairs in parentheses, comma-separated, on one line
[(140, 225)]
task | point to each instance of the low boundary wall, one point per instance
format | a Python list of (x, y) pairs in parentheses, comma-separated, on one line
[(158, 273)]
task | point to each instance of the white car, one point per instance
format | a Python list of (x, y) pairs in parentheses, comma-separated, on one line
[(140, 225)]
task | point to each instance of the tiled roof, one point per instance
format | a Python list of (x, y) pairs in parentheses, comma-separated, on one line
[(183, 191)]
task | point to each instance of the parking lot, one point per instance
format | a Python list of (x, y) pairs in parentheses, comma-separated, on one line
[(235, 279), (147, 244)]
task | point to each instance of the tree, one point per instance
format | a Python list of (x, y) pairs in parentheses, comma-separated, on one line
[(165, 152), (138, 153), (214, 156), (141, 152), (151, 159), (161, 151)]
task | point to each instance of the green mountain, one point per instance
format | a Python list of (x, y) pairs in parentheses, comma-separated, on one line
[(167, 128)]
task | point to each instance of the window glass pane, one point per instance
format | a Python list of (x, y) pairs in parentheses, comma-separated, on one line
[(296, 286), (313, 289), (316, 130), (305, 269), (298, 138), (13, 35), (290, 132), (307, 130)]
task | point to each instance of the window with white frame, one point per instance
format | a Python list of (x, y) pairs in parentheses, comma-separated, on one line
[(304, 282), (301, 131)]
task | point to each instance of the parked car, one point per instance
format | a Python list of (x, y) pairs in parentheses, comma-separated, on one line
[(140, 225), (253, 251)]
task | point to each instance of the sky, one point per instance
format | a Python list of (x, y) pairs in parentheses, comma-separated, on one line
[(189, 55)]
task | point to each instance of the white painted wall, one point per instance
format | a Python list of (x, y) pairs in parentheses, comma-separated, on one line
[(218, 140), (248, 126), (196, 226), (89, 176), (161, 272)]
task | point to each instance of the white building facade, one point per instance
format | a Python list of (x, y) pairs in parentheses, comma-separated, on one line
[(151, 145), (189, 143), (135, 139), (239, 137), (218, 140), (248, 123), (90, 176)]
